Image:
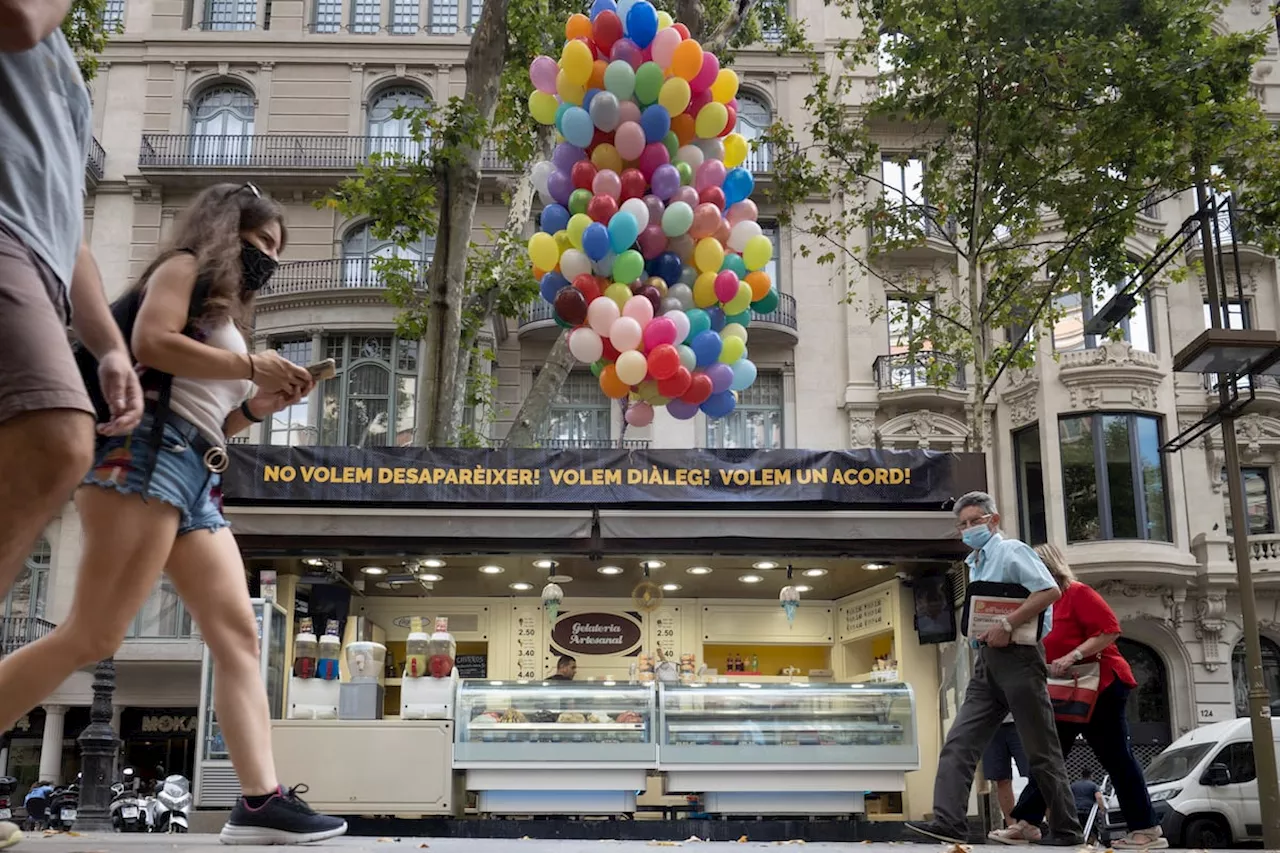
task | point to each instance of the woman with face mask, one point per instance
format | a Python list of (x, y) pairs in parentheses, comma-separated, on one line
[(151, 503)]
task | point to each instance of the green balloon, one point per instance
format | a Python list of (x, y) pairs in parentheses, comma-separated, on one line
[(734, 262), (620, 79), (597, 367), (686, 173), (578, 201), (628, 267), (743, 319), (769, 303), (561, 323), (672, 142), (649, 80)]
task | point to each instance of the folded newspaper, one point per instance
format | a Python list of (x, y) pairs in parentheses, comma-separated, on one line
[(985, 612)]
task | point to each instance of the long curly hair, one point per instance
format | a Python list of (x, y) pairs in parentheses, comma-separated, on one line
[(210, 228)]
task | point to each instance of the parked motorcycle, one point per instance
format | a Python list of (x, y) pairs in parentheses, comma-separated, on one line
[(171, 808), (8, 785), (126, 806), (63, 807)]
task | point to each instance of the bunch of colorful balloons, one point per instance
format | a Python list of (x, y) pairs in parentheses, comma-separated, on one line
[(649, 247)]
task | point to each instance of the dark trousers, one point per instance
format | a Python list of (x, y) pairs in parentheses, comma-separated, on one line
[(1107, 734), (1013, 679)]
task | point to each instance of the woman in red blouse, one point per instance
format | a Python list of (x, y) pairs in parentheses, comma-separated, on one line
[(1085, 628)]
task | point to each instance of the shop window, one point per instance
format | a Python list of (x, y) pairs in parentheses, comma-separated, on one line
[(389, 132), (1075, 310), (1113, 478), (360, 247), (28, 596), (1031, 510), (1257, 501), (372, 401), (581, 415), (222, 124), (163, 616), (1270, 676), (292, 427), (756, 422)]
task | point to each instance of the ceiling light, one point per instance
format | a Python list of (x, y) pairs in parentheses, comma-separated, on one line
[(545, 564), (560, 579), (430, 577), (764, 565), (521, 586), (800, 587), (814, 573), (491, 570), (670, 587), (699, 570), (609, 570), (750, 579), (432, 563), (875, 567), (314, 561), (652, 564), (373, 570)]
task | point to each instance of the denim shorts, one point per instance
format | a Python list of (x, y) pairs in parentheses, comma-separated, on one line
[(179, 478)]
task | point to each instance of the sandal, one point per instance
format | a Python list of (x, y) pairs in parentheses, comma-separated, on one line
[(1142, 839), (1019, 833)]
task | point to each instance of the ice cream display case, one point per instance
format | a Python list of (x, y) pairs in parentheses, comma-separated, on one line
[(801, 748), (558, 747)]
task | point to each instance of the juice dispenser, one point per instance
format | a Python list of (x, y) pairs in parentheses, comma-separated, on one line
[(361, 698), (330, 647), (305, 650), (442, 649), (416, 650), (313, 685), (431, 698)]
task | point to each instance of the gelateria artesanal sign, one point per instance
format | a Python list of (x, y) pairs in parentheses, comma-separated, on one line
[(597, 633)]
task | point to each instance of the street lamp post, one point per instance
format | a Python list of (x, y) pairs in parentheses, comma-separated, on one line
[(98, 746)]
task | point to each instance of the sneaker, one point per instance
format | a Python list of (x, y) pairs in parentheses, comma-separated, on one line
[(283, 819), (938, 832), (1054, 840), (9, 834)]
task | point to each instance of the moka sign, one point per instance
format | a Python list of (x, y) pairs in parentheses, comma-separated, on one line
[(168, 724)]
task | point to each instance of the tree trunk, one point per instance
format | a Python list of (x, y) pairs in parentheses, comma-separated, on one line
[(981, 350), (533, 412), (691, 14)]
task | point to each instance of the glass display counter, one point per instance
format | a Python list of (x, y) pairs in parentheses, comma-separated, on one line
[(555, 747), (787, 748)]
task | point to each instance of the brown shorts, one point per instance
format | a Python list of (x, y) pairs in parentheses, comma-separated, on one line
[(37, 369)]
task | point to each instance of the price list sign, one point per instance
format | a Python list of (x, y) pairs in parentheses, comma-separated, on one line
[(867, 615), (666, 633), (528, 642)]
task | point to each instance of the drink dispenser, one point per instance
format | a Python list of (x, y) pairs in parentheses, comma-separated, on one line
[(430, 697), (330, 647), (442, 650), (416, 650), (361, 698), (313, 685), (305, 650)]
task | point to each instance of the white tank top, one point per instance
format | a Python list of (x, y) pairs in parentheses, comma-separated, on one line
[(206, 403)]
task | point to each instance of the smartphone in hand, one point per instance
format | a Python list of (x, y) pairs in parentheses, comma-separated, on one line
[(323, 370)]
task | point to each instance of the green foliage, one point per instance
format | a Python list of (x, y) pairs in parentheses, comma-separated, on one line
[(85, 31)]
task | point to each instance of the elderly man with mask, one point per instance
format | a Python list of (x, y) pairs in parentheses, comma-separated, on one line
[(1007, 678)]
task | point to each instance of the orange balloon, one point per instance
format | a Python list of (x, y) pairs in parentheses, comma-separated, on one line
[(684, 127), (686, 62), (613, 387), (760, 284), (722, 232), (578, 26), (597, 74), (538, 274)]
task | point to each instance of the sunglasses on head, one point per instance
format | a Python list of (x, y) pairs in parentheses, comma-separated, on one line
[(247, 186)]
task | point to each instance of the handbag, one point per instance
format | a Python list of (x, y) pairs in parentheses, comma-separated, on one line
[(1075, 694)]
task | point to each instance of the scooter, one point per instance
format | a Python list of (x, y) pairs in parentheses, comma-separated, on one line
[(8, 785), (63, 807), (126, 806), (171, 809)]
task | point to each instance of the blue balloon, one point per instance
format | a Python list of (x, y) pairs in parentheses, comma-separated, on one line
[(602, 6), (667, 267), (744, 373), (719, 405), (655, 121), (716, 314), (551, 284), (738, 185), (586, 99), (555, 217), (623, 231), (706, 348), (595, 241), (559, 123), (680, 410), (642, 23), (699, 322), (577, 127)]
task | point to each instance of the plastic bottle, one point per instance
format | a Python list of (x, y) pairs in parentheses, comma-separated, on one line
[(305, 650), (755, 663), (416, 650), (443, 650), (330, 647)]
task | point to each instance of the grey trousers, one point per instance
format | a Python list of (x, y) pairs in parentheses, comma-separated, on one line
[(1012, 679)]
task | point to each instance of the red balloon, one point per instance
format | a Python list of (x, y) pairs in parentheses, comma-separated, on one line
[(732, 124), (697, 102), (636, 286), (600, 137), (664, 361), (633, 184), (588, 285), (583, 174), (610, 351), (712, 195), (651, 293), (677, 383), (571, 306), (602, 208), (605, 30), (684, 34), (699, 389)]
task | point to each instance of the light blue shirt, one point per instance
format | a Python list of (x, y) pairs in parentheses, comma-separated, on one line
[(1011, 561)]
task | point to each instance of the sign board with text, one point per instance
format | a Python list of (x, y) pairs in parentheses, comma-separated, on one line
[(598, 634), (866, 615)]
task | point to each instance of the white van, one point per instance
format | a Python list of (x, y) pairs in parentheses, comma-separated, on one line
[(1204, 788)]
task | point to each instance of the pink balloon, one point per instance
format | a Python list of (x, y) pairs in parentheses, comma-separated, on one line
[(640, 414), (702, 81), (659, 331), (608, 183), (626, 334), (743, 211), (640, 309), (652, 242), (655, 207), (706, 218), (698, 101), (628, 111), (710, 174), (630, 141), (682, 246), (655, 154), (722, 233), (542, 71), (688, 195), (664, 46), (726, 285), (628, 52)]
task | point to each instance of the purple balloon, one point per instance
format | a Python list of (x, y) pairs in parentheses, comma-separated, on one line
[(629, 52), (655, 206), (666, 181), (565, 156), (560, 186), (721, 376), (686, 194), (710, 174), (680, 410), (716, 313)]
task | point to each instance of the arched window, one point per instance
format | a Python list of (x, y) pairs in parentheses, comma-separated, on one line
[(372, 401), (887, 62), (222, 125), (27, 596), (389, 133), (1270, 675), (360, 247), (754, 118)]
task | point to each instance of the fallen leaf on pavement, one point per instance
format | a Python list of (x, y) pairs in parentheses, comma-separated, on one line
[(742, 839), (424, 846), (665, 844)]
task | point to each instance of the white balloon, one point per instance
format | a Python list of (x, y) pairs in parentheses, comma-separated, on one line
[(681, 320), (631, 367), (624, 6), (692, 155), (636, 207), (669, 305), (540, 173), (625, 334), (602, 267), (712, 149), (574, 263), (601, 315), (741, 233), (604, 111), (688, 276), (687, 358), (545, 196), (586, 345), (680, 292)]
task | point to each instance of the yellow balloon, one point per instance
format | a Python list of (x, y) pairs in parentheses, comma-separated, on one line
[(563, 242), (708, 255), (569, 91), (734, 330), (711, 120), (543, 251), (577, 224), (665, 20), (757, 252), (632, 367), (575, 62), (619, 293), (648, 389), (735, 149), (606, 156), (731, 350), (673, 97), (725, 87), (704, 290), (740, 302), (543, 106)]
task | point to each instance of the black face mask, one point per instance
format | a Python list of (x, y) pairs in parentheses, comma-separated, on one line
[(257, 267)]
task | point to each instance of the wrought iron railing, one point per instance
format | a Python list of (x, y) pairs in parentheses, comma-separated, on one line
[(232, 24), (905, 370), (905, 223), (18, 631), (97, 161), (541, 311), (332, 274), (592, 443), (1220, 227)]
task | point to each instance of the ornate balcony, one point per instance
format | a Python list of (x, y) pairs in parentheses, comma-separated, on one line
[(592, 444), (1226, 234), (919, 226), (95, 164), (327, 276), (18, 631), (910, 378)]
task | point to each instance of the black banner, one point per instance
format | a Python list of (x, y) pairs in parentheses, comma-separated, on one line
[(417, 476)]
